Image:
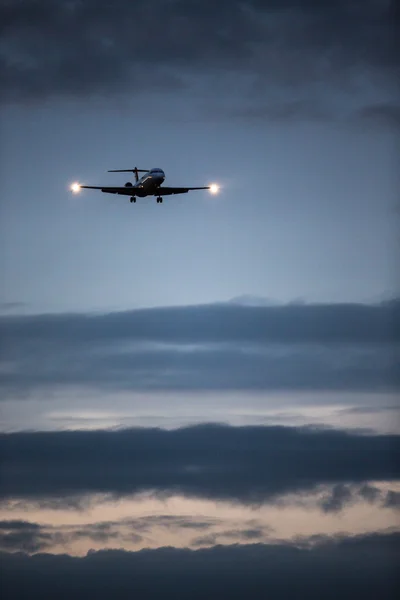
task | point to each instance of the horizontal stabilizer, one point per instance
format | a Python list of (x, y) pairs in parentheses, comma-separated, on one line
[(129, 171)]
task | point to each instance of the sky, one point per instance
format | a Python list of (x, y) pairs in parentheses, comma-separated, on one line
[(202, 392)]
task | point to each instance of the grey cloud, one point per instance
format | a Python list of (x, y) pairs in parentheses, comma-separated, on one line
[(292, 323), (99, 534), (25, 541), (392, 499), (19, 536), (341, 496), (365, 565), (205, 369), (370, 493), (240, 464), (93, 46), (30, 537), (25, 537), (206, 540), (171, 522), (206, 347), (19, 525), (337, 499), (71, 502), (244, 535)]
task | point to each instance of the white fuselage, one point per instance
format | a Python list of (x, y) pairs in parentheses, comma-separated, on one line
[(149, 183)]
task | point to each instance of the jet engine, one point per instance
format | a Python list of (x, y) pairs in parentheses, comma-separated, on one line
[(128, 184)]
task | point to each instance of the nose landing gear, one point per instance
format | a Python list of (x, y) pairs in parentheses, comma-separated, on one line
[(159, 199), (133, 199)]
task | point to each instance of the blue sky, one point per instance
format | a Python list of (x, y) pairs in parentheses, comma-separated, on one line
[(214, 380), (306, 210)]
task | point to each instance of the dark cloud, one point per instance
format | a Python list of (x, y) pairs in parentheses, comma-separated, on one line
[(392, 499), (207, 347), (363, 567), (370, 493), (292, 323), (340, 496), (25, 537), (72, 502), (337, 499), (19, 525), (99, 532), (16, 536), (79, 48), (20, 536), (244, 464)]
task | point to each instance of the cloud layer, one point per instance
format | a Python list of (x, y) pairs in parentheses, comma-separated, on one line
[(320, 347), (85, 47), (364, 566), (245, 464)]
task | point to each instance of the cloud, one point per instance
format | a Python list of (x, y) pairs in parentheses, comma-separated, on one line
[(339, 497), (240, 464), (370, 493), (172, 522), (104, 533), (83, 47), (19, 525), (365, 565), (392, 499), (26, 537), (244, 535), (291, 323), (206, 347), (23, 536)]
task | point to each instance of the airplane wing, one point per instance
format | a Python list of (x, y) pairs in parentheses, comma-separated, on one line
[(168, 191), (124, 191), (130, 191)]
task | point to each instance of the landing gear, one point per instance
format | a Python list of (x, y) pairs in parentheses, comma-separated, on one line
[(133, 199), (159, 199)]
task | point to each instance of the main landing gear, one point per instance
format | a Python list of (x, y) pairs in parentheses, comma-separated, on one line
[(159, 199)]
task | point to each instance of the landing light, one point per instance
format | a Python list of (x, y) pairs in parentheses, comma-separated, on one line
[(214, 188), (75, 187)]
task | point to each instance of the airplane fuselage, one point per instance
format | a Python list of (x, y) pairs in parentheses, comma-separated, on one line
[(148, 184)]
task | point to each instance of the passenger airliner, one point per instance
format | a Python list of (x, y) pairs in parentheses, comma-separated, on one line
[(150, 184)]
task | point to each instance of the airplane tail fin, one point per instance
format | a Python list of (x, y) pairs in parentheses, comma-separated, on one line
[(136, 171)]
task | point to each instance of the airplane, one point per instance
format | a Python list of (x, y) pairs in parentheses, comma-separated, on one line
[(150, 184)]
